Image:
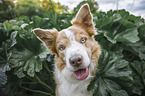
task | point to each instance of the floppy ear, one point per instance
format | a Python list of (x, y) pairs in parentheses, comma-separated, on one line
[(48, 37), (84, 17)]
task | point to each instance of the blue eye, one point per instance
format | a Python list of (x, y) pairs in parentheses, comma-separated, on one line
[(83, 40), (61, 48)]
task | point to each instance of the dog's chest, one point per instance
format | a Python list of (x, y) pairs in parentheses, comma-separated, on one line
[(68, 89)]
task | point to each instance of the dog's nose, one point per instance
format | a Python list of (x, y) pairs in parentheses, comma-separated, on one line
[(76, 61)]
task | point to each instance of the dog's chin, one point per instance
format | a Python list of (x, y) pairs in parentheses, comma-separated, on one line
[(81, 73)]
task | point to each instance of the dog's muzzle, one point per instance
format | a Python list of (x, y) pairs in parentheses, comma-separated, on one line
[(80, 72), (76, 61)]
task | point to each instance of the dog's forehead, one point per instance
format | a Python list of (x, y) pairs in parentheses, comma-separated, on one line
[(71, 32), (65, 35)]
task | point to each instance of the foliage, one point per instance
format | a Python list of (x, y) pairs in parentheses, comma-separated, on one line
[(31, 7), (7, 10), (26, 56), (121, 64), (121, 70), (49, 5), (113, 77)]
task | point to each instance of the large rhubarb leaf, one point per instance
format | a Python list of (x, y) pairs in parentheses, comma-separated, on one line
[(25, 61), (118, 30), (27, 53), (116, 27), (109, 46), (113, 76)]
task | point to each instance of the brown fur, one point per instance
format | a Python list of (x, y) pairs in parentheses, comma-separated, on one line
[(60, 63), (48, 37), (84, 19), (61, 40)]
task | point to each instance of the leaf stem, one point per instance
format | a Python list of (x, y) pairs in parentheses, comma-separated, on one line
[(45, 65), (30, 82), (38, 91), (43, 83)]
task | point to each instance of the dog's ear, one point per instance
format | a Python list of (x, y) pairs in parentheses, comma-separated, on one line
[(48, 37), (84, 18)]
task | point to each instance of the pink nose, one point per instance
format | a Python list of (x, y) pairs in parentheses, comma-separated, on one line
[(76, 61)]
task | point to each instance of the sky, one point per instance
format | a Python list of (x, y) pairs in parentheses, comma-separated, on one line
[(135, 7)]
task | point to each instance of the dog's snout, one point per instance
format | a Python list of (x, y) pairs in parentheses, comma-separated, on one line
[(76, 61)]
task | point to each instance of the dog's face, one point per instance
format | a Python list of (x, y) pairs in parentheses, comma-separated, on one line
[(76, 51)]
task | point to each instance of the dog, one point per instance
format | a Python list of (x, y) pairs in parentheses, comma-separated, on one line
[(76, 54)]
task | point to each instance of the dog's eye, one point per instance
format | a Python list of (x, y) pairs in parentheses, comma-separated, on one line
[(61, 48), (83, 40)]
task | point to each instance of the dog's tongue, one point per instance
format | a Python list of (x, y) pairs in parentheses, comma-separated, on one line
[(81, 74)]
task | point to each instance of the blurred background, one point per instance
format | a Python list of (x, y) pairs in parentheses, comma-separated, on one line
[(135, 7), (15, 8)]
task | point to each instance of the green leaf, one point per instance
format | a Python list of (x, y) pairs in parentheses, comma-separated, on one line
[(19, 72), (107, 87), (25, 61), (4, 58), (12, 40), (137, 48), (141, 30), (113, 76), (25, 19), (12, 21), (8, 27), (117, 29), (130, 35), (108, 46), (139, 67), (3, 78), (27, 53), (39, 22)]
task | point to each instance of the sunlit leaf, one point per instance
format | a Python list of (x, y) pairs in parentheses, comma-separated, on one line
[(8, 27)]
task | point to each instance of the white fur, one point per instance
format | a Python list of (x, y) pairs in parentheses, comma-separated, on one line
[(75, 48), (68, 85)]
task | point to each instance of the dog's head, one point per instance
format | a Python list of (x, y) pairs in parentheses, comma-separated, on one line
[(76, 51)]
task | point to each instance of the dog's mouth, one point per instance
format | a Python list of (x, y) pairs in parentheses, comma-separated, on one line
[(81, 74)]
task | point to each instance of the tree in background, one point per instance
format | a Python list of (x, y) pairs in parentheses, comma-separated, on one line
[(6, 4), (7, 11), (49, 5), (38, 7), (28, 7)]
